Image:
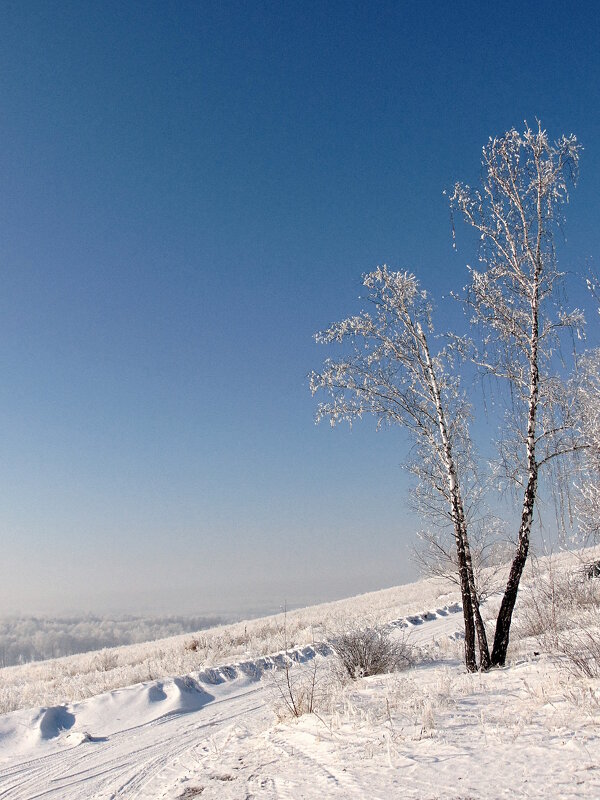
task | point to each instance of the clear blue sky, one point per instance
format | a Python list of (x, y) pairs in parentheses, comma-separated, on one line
[(188, 192)]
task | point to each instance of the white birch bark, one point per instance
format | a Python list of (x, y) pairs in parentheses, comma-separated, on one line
[(515, 214), (391, 374)]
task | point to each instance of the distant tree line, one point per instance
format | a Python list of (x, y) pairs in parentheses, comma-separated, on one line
[(30, 638)]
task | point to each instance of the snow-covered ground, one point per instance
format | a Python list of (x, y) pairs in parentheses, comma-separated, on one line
[(54, 682), (432, 732)]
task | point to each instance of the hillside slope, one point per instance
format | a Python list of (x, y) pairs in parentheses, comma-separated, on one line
[(221, 730)]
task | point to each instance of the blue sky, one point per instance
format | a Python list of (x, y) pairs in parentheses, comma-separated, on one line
[(190, 191)]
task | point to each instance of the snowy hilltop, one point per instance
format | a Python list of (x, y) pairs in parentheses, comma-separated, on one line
[(306, 721)]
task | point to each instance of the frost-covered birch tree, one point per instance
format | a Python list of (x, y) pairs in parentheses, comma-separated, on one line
[(387, 369), (587, 501), (586, 389), (515, 308)]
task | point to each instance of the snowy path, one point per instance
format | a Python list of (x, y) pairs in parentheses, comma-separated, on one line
[(144, 741), (125, 763)]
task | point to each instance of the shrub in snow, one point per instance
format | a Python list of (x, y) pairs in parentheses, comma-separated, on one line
[(296, 693), (105, 660), (370, 651), (562, 611)]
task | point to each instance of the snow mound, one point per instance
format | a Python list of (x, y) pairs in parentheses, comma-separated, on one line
[(53, 721)]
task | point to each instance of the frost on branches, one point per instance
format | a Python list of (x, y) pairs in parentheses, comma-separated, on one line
[(587, 392), (588, 483), (517, 315), (390, 372), (514, 304)]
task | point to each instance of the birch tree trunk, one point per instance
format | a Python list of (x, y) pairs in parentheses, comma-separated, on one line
[(471, 609), (504, 619)]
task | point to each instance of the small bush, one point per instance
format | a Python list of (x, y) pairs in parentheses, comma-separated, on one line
[(105, 660), (296, 694), (562, 612), (581, 649), (371, 651)]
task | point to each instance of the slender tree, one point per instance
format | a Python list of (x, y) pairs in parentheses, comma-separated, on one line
[(586, 390), (514, 303), (388, 370), (587, 501)]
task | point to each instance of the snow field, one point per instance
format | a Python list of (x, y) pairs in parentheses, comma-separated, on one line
[(73, 678), (138, 741), (146, 702), (433, 732)]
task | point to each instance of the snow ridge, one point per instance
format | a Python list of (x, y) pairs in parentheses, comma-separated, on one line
[(152, 701)]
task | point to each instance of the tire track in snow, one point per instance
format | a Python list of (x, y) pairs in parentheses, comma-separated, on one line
[(119, 766)]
